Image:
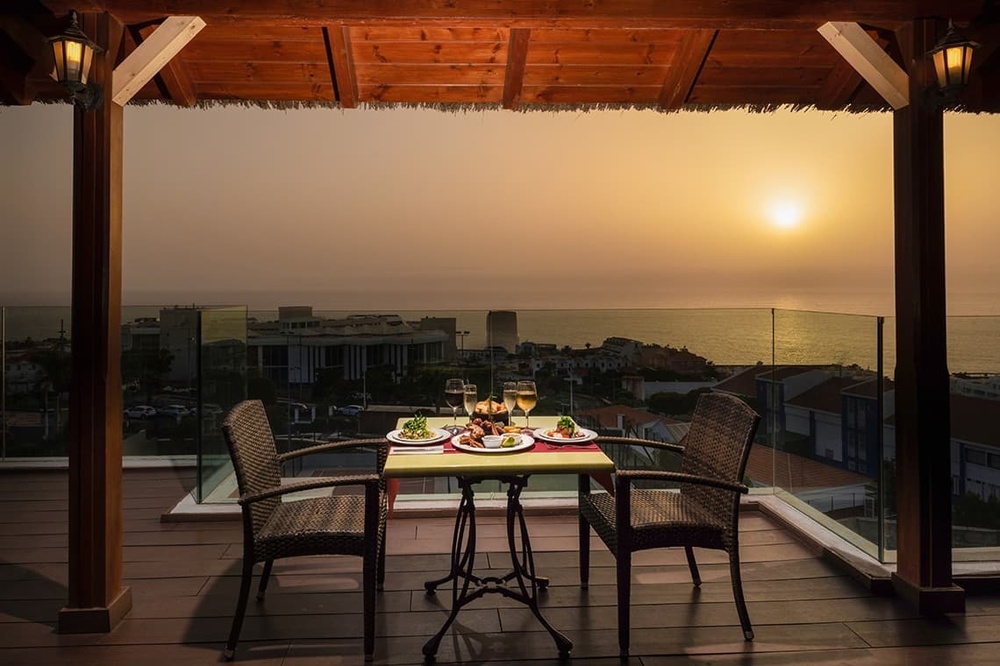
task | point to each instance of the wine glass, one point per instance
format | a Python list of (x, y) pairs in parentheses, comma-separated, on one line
[(510, 399), (471, 396), (527, 398), (454, 390)]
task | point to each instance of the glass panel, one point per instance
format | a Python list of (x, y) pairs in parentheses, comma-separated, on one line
[(974, 363), (35, 400), (824, 419), (222, 383), (634, 372)]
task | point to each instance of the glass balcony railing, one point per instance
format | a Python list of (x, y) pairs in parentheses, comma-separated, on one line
[(822, 382)]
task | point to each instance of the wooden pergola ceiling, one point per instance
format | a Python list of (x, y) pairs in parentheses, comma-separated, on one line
[(513, 53)]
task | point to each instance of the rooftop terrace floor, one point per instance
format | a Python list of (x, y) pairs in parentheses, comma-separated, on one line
[(184, 579)]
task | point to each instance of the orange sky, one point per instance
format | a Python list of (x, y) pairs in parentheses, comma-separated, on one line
[(420, 209)]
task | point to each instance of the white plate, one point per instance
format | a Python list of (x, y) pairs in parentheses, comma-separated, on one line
[(439, 436), (588, 435), (526, 443)]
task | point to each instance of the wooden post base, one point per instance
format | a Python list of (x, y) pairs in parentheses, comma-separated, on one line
[(930, 600), (99, 620)]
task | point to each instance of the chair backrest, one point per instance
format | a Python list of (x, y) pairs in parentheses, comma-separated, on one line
[(255, 458), (718, 446)]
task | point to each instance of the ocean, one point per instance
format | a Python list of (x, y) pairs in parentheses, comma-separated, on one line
[(724, 336)]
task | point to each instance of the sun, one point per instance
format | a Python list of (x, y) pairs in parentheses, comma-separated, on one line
[(785, 214)]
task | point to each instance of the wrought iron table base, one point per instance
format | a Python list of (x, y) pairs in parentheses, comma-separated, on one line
[(463, 557)]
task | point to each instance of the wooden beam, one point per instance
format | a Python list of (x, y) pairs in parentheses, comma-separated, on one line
[(683, 73), (13, 79), (152, 54), (97, 601), (174, 76), (714, 14), (871, 62), (517, 56), (843, 82), (923, 426), (341, 62)]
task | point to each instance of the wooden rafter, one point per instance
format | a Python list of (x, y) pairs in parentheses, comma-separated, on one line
[(517, 55), (341, 63), (152, 55), (840, 87), (24, 37), (866, 56), (753, 14), (684, 71), (174, 76)]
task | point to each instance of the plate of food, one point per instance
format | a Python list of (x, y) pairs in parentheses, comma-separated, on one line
[(565, 432), (508, 443), (416, 433)]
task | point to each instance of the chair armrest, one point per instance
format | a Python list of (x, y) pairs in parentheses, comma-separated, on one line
[(326, 482), (676, 448), (331, 446), (629, 475)]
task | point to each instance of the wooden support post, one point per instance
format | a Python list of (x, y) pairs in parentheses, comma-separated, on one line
[(97, 600), (923, 425)]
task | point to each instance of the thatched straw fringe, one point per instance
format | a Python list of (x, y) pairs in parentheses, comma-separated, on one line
[(455, 107)]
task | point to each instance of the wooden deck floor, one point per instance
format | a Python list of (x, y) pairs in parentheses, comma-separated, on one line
[(184, 578)]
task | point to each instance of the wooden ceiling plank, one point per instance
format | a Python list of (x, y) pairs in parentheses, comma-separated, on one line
[(683, 73), (531, 13), (13, 83), (393, 94), (152, 54), (637, 53), (429, 52), (873, 64), (517, 55), (32, 42), (341, 64), (174, 76), (839, 87)]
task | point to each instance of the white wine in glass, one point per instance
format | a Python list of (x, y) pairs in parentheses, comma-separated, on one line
[(527, 398), (454, 394), (471, 395), (510, 399)]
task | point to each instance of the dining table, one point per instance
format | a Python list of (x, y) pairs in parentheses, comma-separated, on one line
[(511, 468)]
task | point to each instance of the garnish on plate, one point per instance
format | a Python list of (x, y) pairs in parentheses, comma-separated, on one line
[(566, 428), (416, 429)]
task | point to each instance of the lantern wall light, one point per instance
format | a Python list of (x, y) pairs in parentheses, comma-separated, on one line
[(952, 57), (74, 54)]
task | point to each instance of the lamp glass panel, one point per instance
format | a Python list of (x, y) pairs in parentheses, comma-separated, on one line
[(956, 59), (74, 61), (941, 69), (59, 54), (88, 57)]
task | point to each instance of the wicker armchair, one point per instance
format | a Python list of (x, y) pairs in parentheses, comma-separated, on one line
[(272, 529), (705, 513)]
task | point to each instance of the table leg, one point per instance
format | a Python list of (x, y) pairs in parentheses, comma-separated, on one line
[(524, 566)]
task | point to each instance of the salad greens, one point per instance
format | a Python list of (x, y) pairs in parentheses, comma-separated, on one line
[(416, 428)]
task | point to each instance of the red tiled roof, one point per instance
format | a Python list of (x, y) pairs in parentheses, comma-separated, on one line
[(607, 417), (975, 420), (824, 397), (793, 472), (744, 383)]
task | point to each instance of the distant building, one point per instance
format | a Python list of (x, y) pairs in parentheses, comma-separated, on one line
[(179, 336), (501, 330), (446, 324)]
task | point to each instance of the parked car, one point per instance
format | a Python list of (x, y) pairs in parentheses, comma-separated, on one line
[(140, 412), (177, 411), (350, 410)]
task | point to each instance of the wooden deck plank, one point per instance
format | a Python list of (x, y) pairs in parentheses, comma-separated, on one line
[(185, 576)]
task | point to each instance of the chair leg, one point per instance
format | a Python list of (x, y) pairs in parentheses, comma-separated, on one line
[(264, 577), (623, 566), (380, 572), (693, 566), (584, 552), (241, 609), (368, 575), (741, 604)]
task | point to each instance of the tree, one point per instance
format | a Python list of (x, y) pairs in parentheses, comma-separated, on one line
[(149, 368)]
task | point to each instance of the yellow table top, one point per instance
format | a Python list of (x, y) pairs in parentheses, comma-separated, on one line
[(532, 461)]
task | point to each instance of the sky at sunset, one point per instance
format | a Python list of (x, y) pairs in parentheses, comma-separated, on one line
[(422, 209)]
